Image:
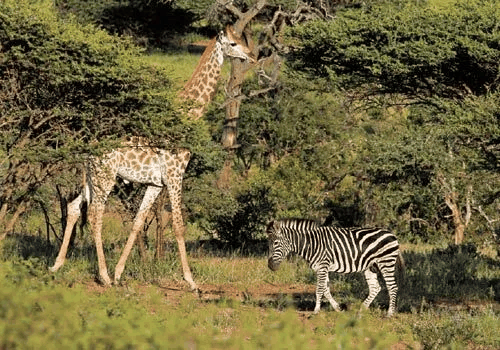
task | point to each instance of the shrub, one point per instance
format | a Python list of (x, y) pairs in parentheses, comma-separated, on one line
[(68, 90)]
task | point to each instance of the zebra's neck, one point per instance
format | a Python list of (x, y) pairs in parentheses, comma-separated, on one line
[(302, 243)]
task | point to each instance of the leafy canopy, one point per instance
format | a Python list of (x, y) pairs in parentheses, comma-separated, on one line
[(411, 48)]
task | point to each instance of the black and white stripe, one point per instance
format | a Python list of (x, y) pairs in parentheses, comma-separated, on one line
[(343, 250)]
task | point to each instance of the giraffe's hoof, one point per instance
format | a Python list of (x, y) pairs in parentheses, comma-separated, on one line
[(192, 285), (197, 292), (105, 281)]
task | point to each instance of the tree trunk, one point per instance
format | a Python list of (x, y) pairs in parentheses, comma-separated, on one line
[(63, 203), (21, 208), (457, 218), (233, 97), (3, 212), (460, 221)]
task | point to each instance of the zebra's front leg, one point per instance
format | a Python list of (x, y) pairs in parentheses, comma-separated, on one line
[(322, 288)]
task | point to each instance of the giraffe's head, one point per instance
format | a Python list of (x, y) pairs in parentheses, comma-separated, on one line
[(234, 47)]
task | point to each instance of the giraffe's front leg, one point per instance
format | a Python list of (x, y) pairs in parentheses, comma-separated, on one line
[(174, 186), (147, 202)]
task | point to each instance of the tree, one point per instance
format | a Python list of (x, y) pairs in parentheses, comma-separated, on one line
[(67, 91), (408, 48), (441, 65)]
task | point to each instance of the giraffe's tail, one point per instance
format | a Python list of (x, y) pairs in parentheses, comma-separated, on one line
[(86, 196), (86, 193)]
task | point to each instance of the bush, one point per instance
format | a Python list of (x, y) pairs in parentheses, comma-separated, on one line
[(410, 48), (67, 90)]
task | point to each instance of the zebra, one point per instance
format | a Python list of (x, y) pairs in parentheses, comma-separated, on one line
[(336, 249)]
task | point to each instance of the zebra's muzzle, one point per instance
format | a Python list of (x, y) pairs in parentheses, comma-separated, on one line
[(272, 264)]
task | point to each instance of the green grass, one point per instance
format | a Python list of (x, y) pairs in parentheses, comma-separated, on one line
[(38, 312), (180, 65), (449, 298)]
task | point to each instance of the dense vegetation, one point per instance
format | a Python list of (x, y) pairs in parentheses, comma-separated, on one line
[(386, 114), (448, 299)]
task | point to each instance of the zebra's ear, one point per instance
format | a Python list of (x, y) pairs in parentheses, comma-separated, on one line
[(273, 228), (270, 226)]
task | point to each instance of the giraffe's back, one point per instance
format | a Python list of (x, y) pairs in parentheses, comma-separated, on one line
[(140, 165)]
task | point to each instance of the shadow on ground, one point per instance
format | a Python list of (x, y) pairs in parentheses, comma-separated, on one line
[(453, 277)]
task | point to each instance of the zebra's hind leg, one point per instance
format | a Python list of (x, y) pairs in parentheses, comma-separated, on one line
[(392, 288), (373, 287), (323, 288), (328, 295)]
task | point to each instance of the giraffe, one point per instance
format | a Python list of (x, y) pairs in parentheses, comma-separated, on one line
[(136, 161), (202, 85)]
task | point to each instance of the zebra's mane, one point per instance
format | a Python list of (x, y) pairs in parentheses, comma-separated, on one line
[(298, 223)]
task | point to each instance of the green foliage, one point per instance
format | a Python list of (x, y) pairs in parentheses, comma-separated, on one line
[(295, 148), (437, 332), (236, 215), (150, 23), (450, 274), (458, 142), (439, 61), (94, 84), (409, 48), (64, 86)]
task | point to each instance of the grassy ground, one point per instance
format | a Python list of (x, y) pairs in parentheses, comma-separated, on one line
[(449, 298)]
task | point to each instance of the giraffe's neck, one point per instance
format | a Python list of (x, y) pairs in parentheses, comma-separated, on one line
[(202, 85)]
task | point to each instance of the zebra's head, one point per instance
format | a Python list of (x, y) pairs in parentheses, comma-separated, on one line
[(279, 248), (285, 237)]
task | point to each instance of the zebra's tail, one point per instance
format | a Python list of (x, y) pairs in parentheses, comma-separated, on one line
[(400, 266)]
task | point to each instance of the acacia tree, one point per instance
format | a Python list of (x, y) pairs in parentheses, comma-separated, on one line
[(269, 47), (274, 17), (66, 91), (442, 67)]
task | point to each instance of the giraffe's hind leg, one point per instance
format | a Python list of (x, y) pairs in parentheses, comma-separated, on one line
[(101, 187), (95, 213), (373, 287), (73, 215)]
